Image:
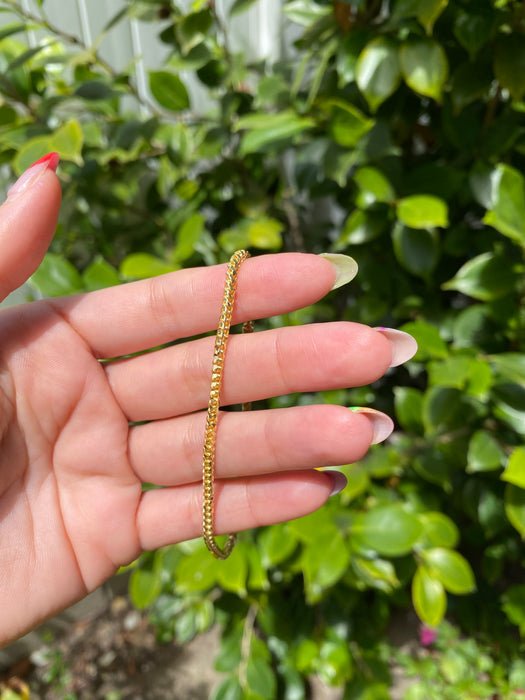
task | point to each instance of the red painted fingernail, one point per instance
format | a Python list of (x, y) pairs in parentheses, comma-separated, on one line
[(51, 159), (31, 175)]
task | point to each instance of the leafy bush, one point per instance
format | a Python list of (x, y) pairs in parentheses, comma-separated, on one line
[(392, 132)]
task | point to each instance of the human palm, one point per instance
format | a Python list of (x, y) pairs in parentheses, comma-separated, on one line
[(82, 431)]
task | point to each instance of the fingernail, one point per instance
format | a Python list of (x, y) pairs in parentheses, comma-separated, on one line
[(339, 481), (32, 174), (404, 346), (345, 268), (382, 425)]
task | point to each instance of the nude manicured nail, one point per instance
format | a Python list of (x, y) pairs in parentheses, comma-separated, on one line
[(339, 481), (382, 425), (345, 268), (404, 346), (31, 175)]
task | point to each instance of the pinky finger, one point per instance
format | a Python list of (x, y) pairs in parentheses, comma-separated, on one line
[(170, 515)]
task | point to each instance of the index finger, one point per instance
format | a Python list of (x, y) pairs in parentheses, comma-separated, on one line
[(141, 315)]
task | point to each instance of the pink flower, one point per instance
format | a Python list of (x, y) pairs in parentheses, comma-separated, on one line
[(427, 636)]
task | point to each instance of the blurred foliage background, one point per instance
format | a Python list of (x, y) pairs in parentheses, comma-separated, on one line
[(393, 131)]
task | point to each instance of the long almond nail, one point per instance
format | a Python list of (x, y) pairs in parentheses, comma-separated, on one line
[(404, 346), (382, 425), (31, 175), (345, 268)]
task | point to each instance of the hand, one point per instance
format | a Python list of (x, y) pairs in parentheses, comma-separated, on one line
[(72, 508)]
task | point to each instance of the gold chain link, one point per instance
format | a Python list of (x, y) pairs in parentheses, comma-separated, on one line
[(208, 460)]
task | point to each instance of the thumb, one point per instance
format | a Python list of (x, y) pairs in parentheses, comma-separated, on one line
[(28, 220)]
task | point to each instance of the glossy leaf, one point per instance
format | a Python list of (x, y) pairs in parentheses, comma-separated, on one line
[(144, 587), (143, 265), (229, 689), (513, 605), (240, 6), (429, 13), (507, 205), (424, 67), (515, 508), (388, 530), (99, 275), (451, 569), (439, 530), (422, 211), (472, 29), (484, 453), (515, 470), (56, 277), (347, 124), (429, 341), (428, 597), (485, 277), (377, 71), (408, 404), (261, 678), (373, 187), (276, 544), (361, 227), (510, 365), (416, 250), (270, 130), (169, 90)]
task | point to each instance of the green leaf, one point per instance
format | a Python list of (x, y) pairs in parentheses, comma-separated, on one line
[(451, 569), (68, 140), (169, 90), (56, 277), (260, 678), (270, 130), (424, 67), (388, 530), (484, 453), (428, 597), (265, 233), (377, 71), (276, 544), (361, 227), (304, 12), (507, 212), (422, 211), (439, 530), (346, 124), (240, 6), (144, 587), (510, 365), (323, 563), (485, 277), (143, 265), (515, 470), (408, 404), (95, 90), (417, 251), (99, 275), (230, 689), (376, 573), (30, 152), (27, 56), (513, 605), (433, 467), (232, 574), (196, 571), (515, 508), (472, 29), (429, 13), (509, 64), (358, 482), (188, 236), (373, 187), (509, 405), (429, 342)]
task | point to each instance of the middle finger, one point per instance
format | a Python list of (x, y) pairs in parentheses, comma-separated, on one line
[(176, 380)]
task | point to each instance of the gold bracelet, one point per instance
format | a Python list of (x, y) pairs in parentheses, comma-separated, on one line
[(208, 460)]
